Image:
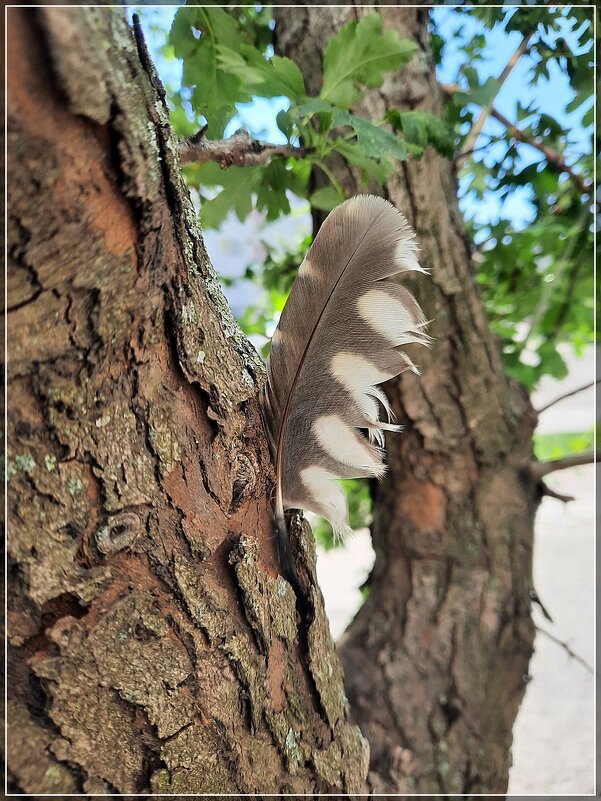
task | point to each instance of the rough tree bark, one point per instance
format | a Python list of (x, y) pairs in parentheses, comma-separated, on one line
[(437, 658), (153, 646)]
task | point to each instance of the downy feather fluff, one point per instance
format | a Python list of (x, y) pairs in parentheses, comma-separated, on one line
[(338, 337)]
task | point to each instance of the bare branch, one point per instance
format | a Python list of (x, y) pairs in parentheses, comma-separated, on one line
[(552, 494), (540, 469), (572, 654), (534, 597), (466, 153), (568, 395), (476, 129), (240, 150), (553, 158), (449, 89)]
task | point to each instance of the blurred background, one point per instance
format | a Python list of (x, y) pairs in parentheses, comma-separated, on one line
[(523, 176)]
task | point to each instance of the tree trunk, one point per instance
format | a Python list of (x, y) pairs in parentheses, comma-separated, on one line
[(153, 645), (436, 661)]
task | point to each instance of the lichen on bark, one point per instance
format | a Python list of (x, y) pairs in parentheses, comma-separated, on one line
[(154, 646)]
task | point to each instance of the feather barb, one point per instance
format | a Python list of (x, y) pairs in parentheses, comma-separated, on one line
[(338, 338)]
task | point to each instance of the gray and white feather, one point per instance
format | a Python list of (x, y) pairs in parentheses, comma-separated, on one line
[(339, 336)]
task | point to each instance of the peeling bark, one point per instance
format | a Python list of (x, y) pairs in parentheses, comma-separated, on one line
[(153, 645), (436, 660)]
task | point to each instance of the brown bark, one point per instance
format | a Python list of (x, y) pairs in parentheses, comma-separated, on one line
[(240, 150), (435, 661), (153, 645)]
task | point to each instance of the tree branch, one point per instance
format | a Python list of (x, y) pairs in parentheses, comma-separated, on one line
[(568, 395), (476, 129), (553, 158), (552, 494), (240, 150), (567, 649), (534, 597), (540, 469)]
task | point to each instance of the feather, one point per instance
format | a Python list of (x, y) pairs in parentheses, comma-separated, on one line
[(338, 337)]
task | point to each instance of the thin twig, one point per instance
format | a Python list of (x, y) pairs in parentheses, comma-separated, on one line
[(540, 469), (552, 494), (568, 395), (240, 150), (476, 129), (572, 654), (466, 153), (553, 158), (534, 597)]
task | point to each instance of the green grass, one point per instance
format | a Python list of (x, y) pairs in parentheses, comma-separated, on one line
[(554, 446)]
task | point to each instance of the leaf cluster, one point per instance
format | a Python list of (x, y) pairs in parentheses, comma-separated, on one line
[(228, 59), (537, 276)]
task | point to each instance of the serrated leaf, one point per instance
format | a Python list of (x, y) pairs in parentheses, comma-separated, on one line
[(214, 211), (272, 77), (551, 361), (181, 37), (421, 129), (220, 26), (289, 77), (236, 194), (360, 54), (271, 189), (375, 141), (214, 90), (379, 169)]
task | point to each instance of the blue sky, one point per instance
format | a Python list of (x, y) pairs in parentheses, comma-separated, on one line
[(455, 26), (549, 96)]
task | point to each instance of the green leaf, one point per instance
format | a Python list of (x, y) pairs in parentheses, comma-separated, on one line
[(181, 37), (215, 91), (265, 188), (236, 194), (360, 54), (272, 77), (274, 180), (179, 119), (378, 169), (539, 275), (421, 129), (220, 26), (552, 361), (375, 141), (326, 199), (482, 94), (285, 122)]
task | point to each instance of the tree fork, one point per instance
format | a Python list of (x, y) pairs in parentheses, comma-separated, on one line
[(435, 659), (153, 645)]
